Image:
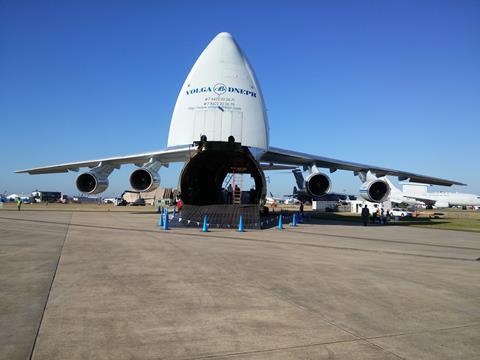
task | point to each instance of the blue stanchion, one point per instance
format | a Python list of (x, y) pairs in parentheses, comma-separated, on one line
[(174, 212), (241, 227), (280, 222), (165, 222), (294, 220), (160, 220), (205, 224)]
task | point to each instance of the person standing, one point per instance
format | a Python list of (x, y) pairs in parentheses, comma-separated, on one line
[(237, 195), (229, 194), (19, 203), (252, 197), (179, 204), (365, 215)]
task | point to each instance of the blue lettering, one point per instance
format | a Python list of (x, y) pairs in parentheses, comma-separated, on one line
[(220, 89)]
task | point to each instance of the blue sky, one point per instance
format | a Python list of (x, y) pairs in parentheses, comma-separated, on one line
[(387, 83)]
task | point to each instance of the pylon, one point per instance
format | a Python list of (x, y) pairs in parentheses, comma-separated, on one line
[(240, 225), (165, 222), (205, 224), (294, 220), (280, 222), (160, 221)]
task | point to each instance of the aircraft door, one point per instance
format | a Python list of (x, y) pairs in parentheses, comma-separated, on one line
[(209, 123), (218, 125), (232, 124), (237, 125), (198, 125)]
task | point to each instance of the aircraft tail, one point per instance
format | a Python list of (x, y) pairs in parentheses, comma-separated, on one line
[(299, 178)]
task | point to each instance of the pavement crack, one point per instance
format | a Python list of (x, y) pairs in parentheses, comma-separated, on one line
[(422, 331), (262, 351), (51, 286), (332, 323)]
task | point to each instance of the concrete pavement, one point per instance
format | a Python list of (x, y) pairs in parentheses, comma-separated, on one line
[(29, 254), (125, 289)]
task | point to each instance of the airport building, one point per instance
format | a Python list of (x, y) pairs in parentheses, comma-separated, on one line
[(154, 197), (352, 206), (46, 196)]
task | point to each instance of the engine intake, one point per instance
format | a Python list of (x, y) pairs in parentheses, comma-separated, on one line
[(318, 184), (144, 179), (91, 183), (375, 191)]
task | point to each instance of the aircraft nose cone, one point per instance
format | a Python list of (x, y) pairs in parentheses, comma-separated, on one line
[(224, 34), (220, 98)]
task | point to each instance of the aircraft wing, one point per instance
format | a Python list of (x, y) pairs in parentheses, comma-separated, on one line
[(164, 156), (281, 156), (266, 167)]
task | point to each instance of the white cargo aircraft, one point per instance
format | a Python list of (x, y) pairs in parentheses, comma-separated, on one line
[(438, 199), (219, 126)]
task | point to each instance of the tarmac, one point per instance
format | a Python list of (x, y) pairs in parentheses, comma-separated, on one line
[(113, 285)]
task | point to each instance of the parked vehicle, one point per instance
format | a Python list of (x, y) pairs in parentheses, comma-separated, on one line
[(46, 196), (138, 202), (122, 202), (400, 212)]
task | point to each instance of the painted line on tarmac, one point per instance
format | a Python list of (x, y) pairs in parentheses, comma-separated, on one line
[(383, 240), (337, 247), (211, 236)]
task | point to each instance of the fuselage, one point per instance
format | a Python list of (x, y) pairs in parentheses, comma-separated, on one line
[(220, 98), (454, 199), (221, 108)]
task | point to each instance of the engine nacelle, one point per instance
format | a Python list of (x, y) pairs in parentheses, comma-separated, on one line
[(144, 179), (375, 191), (318, 184), (91, 183)]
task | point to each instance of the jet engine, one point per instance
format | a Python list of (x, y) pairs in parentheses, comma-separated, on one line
[(375, 191), (145, 179), (92, 183), (318, 184)]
